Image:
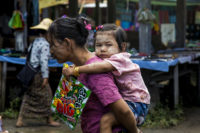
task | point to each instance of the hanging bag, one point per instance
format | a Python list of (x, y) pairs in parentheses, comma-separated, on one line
[(16, 21), (145, 16), (26, 75)]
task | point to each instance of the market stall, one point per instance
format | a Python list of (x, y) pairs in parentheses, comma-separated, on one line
[(158, 65)]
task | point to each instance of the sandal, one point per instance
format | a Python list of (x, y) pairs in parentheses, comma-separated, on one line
[(6, 131), (139, 131), (54, 124), (20, 124)]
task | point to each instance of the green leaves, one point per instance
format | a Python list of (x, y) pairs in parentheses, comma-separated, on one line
[(162, 117)]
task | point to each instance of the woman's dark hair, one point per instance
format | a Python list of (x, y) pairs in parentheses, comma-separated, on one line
[(72, 28), (118, 32)]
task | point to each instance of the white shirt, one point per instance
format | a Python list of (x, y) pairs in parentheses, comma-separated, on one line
[(40, 54)]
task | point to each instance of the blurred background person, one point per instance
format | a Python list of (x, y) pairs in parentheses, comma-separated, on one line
[(36, 102)]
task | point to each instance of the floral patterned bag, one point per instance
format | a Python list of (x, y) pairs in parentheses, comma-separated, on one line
[(69, 100)]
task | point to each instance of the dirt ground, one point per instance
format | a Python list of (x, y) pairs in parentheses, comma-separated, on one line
[(191, 124)]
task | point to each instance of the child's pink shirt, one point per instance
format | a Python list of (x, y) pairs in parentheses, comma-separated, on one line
[(128, 78)]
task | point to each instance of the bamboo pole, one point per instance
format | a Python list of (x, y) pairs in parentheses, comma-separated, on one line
[(1, 108), (81, 8)]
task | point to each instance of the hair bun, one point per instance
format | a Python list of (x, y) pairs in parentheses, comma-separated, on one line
[(81, 26)]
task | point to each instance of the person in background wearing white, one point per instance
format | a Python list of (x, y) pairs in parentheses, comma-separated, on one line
[(37, 99)]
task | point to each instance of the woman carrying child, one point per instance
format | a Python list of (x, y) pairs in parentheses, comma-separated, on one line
[(110, 45), (67, 37)]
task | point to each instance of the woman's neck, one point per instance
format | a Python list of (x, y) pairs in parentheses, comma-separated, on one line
[(81, 56)]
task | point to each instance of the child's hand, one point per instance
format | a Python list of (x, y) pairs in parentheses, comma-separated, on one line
[(68, 71)]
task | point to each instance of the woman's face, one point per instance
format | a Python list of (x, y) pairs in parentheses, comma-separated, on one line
[(106, 45), (60, 51)]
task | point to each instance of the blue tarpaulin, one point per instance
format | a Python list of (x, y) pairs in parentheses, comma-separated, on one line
[(152, 65), (156, 65)]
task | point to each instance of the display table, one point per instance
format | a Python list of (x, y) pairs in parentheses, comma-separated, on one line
[(22, 61), (160, 66)]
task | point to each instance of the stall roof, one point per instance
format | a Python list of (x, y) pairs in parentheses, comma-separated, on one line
[(92, 5), (171, 2), (49, 3)]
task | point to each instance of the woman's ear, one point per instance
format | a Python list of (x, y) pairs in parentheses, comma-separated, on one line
[(67, 41), (70, 43), (124, 45)]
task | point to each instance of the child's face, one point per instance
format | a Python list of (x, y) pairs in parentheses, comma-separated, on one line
[(106, 45)]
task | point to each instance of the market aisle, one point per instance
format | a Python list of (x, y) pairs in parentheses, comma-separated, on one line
[(189, 125), (37, 126)]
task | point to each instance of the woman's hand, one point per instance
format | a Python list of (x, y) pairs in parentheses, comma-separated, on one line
[(45, 82), (68, 71)]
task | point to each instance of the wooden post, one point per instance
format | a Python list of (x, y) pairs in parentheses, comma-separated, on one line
[(176, 85), (97, 13), (180, 23), (145, 30), (73, 8), (198, 83), (1, 108), (45, 13), (24, 11), (57, 12), (111, 11), (3, 69), (36, 16)]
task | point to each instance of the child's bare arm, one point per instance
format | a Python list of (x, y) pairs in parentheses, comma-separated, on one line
[(98, 67)]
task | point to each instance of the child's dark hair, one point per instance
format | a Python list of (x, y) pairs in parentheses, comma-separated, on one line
[(72, 28), (118, 32)]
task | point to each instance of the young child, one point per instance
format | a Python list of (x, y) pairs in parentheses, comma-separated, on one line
[(110, 45), (1, 128)]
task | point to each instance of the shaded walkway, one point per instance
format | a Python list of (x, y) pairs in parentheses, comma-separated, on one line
[(191, 124)]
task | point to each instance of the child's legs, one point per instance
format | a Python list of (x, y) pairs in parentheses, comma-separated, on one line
[(140, 111), (107, 122)]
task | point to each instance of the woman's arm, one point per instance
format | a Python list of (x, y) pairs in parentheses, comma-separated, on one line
[(124, 115), (107, 92)]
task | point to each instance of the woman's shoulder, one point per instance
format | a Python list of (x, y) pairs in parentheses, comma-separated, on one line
[(93, 59), (121, 55)]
